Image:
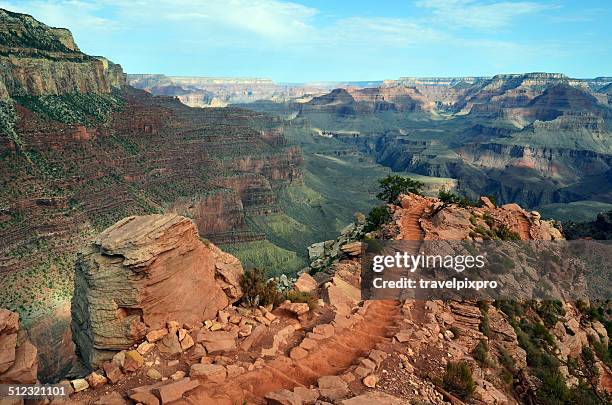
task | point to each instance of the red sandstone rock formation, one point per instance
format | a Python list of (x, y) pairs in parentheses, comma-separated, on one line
[(455, 223), (142, 272), (18, 361), (350, 351)]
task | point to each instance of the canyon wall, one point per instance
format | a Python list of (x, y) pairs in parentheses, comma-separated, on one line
[(80, 150), (221, 91), (37, 60), (535, 138)]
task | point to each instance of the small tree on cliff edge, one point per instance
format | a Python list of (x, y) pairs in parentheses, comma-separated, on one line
[(393, 185)]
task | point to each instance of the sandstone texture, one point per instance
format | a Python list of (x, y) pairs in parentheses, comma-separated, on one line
[(142, 272), (18, 357)]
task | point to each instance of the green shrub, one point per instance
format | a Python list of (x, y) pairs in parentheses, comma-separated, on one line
[(588, 357), (484, 322), (591, 312), (601, 349), (393, 186), (259, 291), (458, 379), (583, 394), (488, 219), (481, 353), (510, 308), (484, 325), (473, 220), (303, 297), (377, 217), (553, 390), (502, 232), (550, 311), (507, 361), (449, 198)]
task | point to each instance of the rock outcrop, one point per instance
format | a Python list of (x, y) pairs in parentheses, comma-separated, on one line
[(451, 222), (18, 361), (600, 229), (37, 60), (142, 272)]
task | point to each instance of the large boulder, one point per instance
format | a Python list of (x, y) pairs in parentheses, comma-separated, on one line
[(18, 357), (142, 272)]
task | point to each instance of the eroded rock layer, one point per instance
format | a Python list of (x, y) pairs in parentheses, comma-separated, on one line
[(38, 60), (141, 272), (18, 361)]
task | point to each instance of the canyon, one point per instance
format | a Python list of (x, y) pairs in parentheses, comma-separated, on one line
[(220, 91), (539, 139), (80, 149), (117, 189)]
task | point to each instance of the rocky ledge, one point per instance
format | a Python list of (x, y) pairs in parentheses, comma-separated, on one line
[(142, 272), (18, 361)]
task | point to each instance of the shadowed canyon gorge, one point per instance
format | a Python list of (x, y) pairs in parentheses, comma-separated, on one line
[(135, 207)]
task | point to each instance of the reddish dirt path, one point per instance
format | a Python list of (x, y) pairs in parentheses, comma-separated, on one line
[(524, 228), (332, 357), (410, 228)]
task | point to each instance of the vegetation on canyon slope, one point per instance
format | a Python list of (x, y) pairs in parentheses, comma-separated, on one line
[(74, 108)]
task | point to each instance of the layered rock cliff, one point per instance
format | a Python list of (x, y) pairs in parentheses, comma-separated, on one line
[(37, 60), (220, 91), (533, 138), (81, 153), (142, 272), (79, 150)]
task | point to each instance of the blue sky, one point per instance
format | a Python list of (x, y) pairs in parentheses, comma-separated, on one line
[(338, 40)]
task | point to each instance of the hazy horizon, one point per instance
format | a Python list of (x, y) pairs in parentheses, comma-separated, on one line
[(361, 80)]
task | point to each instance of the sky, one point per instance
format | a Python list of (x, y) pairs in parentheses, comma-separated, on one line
[(338, 40)]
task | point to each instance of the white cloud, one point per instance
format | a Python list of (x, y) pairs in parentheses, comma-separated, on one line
[(265, 18), (480, 14), (229, 35), (380, 31)]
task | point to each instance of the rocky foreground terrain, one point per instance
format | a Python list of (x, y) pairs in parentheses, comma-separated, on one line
[(153, 328)]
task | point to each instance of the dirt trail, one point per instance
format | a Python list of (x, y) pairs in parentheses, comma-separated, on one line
[(410, 228), (332, 357)]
